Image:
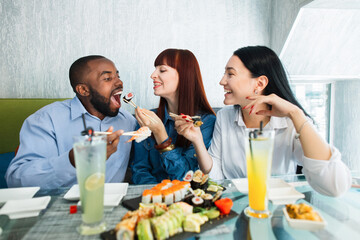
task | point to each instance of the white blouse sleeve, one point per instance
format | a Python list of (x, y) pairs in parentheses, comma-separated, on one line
[(215, 151), (329, 177)]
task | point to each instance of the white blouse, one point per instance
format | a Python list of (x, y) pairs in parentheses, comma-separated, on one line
[(227, 150)]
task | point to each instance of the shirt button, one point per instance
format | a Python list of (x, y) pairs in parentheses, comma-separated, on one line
[(195, 155)]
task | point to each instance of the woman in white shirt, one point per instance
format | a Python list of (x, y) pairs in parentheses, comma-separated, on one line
[(256, 86)]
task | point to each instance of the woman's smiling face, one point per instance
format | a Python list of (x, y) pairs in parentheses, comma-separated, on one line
[(166, 81), (237, 82)]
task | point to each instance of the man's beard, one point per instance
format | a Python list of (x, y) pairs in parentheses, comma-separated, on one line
[(101, 104)]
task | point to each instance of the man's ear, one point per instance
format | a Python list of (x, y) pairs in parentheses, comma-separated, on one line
[(261, 83), (82, 89)]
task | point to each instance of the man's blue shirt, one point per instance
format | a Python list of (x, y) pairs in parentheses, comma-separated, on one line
[(149, 166), (46, 138)]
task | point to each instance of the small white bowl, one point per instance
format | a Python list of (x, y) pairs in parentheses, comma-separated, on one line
[(305, 224)]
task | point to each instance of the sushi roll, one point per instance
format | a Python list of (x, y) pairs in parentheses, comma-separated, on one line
[(143, 230), (204, 182), (168, 196), (217, 196), (197, 201), (195, 183), (198, 192), (156, 196), (127, 98), (167, 182), (198, 173), (188, 176), (177, 193), (207, 200), (188, 198), (146, 196), (175, 182)]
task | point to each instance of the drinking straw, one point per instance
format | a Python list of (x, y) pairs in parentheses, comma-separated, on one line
[(87, 131)]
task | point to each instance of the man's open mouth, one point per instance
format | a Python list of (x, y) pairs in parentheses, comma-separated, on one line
[(115, 98)]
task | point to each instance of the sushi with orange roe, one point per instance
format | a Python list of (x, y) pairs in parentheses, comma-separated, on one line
[(168, 182), (161, 186), (168, 196), (175, 182), (156, 196), (146, 196), (177, 193)]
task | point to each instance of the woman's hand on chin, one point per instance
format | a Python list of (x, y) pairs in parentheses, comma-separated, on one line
[(279, 106)]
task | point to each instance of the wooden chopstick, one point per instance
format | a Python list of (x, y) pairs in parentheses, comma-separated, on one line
[(124, 134)]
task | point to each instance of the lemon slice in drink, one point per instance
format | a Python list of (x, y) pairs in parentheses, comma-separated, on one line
[(95, 181)]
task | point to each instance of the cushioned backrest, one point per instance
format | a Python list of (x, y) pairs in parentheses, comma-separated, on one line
[(13, 112)]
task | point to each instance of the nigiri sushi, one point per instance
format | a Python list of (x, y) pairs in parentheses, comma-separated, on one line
[(140, 135)]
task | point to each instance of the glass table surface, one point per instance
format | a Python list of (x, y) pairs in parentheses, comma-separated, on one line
[(341, 214)]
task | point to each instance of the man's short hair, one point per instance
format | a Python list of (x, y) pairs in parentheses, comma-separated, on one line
[(79, 68)]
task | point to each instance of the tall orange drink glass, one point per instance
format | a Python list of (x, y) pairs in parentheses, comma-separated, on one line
[(259, 147)]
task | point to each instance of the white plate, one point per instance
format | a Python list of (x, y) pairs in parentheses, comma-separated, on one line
[(242, 184), (7, 194), (110, 200), (280, 192), (110, 188), (305, 224), (25, 207), (280, 196)]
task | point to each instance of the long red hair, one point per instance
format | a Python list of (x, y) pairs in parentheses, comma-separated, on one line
[(192, 98)]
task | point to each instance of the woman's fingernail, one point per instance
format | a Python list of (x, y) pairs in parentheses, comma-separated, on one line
[(183, 117), (244, 107), (247, 97)]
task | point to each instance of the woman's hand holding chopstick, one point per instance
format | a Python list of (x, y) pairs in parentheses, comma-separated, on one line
[(153, 122)]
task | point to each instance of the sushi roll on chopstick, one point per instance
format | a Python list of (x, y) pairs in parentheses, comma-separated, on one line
[(196, 120)]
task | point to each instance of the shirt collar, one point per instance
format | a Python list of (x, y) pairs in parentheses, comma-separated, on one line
[(275, 122), (166, 116), (77, 109)]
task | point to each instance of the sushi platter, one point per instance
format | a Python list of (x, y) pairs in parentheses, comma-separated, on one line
[(174, 209)]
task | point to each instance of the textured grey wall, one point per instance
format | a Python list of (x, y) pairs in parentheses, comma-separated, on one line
[(346, 122), (40, 40)]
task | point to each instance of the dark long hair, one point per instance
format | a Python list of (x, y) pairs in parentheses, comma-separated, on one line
[(261, 60), (192, 98)]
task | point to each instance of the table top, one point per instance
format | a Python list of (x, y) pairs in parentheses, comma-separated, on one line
[(341, 214)]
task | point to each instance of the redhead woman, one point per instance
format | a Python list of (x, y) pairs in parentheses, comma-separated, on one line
[(257, 89), (177, 81)]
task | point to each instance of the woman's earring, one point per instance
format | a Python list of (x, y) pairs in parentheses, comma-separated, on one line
[(256, 92)]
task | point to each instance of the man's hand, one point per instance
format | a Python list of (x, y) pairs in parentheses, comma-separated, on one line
[(111, 145), (112, 141)]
